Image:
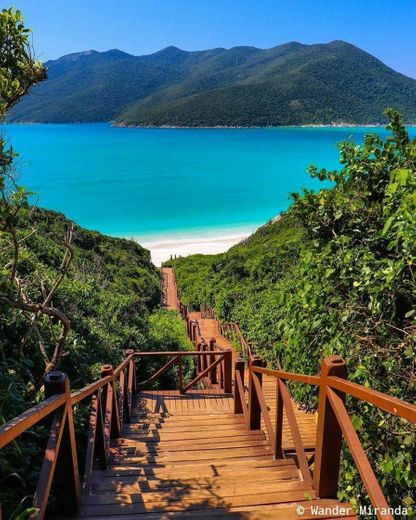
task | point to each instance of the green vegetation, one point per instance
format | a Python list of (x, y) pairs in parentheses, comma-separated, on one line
[(289, 84), (70, 299), (335, 275)]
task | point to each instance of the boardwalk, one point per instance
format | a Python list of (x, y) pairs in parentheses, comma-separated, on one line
[(170, 294), (306, 421), (190, 456), (197, 460)]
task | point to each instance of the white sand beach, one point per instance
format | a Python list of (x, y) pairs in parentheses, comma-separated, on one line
[(162, 248)]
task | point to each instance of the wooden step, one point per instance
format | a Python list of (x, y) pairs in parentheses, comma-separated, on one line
[(179, 491), (207, 468), (130, 447), (190, 436), (267, 512), (171, 479), (138, 440), (140, 504)]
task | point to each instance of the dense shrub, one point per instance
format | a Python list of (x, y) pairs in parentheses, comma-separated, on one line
[(336, 275)]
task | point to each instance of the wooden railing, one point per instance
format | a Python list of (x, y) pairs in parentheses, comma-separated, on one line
[(212, 366), (334, 423), (232, 330), (111, 405)]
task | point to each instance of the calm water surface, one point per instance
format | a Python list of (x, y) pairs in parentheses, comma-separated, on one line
[(159, 182)]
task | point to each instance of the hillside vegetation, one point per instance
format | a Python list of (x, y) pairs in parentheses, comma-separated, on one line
[(288, 84), (111, 297), (335, 275)]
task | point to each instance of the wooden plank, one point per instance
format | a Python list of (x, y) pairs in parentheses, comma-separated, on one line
[(253, 475), (24, 421), (190, 470), (300, 450), (182, 504), (266, 512), (184, 456), (360, 458), (168, 495)]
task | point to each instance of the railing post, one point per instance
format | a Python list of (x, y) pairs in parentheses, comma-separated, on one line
[(131, 384), (278, 427), (111, 418), (204, 358), (228, 369), (254, 409), (329, 435), (238, 398), (60, 464), (180, 375), (194, 331), (213, 373), (199, 358), (187, 327), (133, 369)]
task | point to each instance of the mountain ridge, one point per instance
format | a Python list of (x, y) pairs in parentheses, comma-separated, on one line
[(288, 84)]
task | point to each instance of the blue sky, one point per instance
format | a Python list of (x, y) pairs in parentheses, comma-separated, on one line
[(385, 28)]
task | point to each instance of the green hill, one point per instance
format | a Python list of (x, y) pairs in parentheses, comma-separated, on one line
[(334, 275), (243, 86), (111, 298)]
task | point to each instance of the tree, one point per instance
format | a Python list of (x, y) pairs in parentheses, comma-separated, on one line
[(19, 72)]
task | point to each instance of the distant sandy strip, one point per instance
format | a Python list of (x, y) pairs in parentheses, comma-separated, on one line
[(162, 248)]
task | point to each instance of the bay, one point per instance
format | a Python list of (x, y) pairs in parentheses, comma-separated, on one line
[(166, 186)]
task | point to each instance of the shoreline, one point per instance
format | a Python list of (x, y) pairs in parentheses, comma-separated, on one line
[(239, 127), (113, 124), (210, 242)]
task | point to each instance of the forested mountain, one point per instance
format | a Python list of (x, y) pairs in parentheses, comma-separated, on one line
[(242, 86)]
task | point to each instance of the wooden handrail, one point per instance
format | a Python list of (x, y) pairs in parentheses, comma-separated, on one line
[(333, 423), (61, 445), (80, 395), (208, 363), (294, 429), (159, 373), (12, 429), (360, 458), (385, 402), (289, 376), (180, 353)]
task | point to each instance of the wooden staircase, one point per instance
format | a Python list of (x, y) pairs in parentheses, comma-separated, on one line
[(228, 444), (196, 463)]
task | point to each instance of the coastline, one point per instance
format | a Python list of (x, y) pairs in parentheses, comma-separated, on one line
[(239, 127), (209, 242), (113, 124)]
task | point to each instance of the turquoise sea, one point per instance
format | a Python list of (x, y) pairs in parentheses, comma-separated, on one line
[(157, 183)]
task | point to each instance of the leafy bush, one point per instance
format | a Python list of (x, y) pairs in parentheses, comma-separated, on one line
[(336, 275)]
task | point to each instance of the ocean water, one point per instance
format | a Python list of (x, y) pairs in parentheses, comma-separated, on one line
[(158, 185)]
